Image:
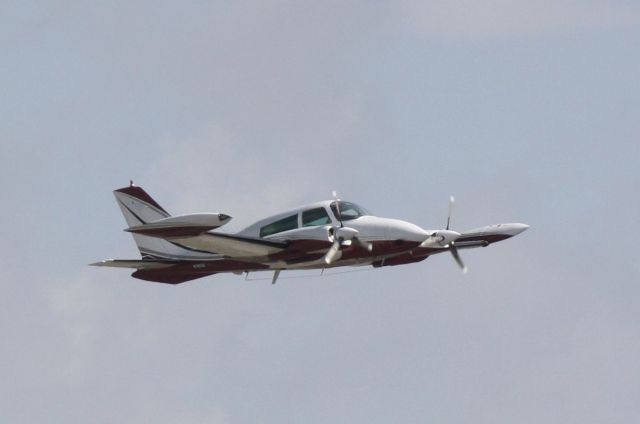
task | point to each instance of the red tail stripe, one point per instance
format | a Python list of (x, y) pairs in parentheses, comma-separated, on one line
[(140, 194)]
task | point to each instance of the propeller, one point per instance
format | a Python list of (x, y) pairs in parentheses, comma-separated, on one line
[(451, 202), (454, 252), (446, 239), (334, 253), (342, 236), (452, 245)]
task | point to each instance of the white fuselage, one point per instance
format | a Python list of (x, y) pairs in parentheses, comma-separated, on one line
[(369, 227)]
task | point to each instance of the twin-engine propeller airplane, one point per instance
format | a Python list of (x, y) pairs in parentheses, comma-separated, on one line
[(327, 234)]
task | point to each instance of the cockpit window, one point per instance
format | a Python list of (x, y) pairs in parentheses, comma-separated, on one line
[(348, 211), (318, 216)]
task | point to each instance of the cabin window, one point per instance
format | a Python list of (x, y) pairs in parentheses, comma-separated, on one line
[(284, 224), (318, 216)]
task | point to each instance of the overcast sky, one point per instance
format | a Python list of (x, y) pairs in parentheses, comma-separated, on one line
[(527, 111)]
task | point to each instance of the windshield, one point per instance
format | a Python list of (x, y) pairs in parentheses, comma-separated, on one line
[(348, 211)]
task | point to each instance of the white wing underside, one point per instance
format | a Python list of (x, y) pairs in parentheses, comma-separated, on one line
[(133, 263), (231, 245)]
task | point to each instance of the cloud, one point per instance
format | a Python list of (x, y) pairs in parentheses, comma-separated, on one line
[(498, 19)]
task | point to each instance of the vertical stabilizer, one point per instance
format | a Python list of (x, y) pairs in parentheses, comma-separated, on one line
[(138, 207)]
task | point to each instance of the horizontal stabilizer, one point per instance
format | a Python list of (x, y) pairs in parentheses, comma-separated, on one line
[(181, 226), (134, 263)]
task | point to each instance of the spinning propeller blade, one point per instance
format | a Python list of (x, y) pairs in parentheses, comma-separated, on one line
[(454, 251), (446, 238), (343, 236), (452, 245), (451, 201), (334, 253)]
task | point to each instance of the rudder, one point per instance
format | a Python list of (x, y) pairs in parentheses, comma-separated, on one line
[(138, 207)]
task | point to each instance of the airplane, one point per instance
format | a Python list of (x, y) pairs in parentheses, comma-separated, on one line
[(326, 234)]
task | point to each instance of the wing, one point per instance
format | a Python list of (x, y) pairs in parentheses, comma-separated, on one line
[(134, 263), (232, 245), (479, 237)]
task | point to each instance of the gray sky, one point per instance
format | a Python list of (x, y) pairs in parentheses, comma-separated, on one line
[(526, 111)]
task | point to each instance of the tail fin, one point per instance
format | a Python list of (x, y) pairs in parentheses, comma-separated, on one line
[(138, 209)]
